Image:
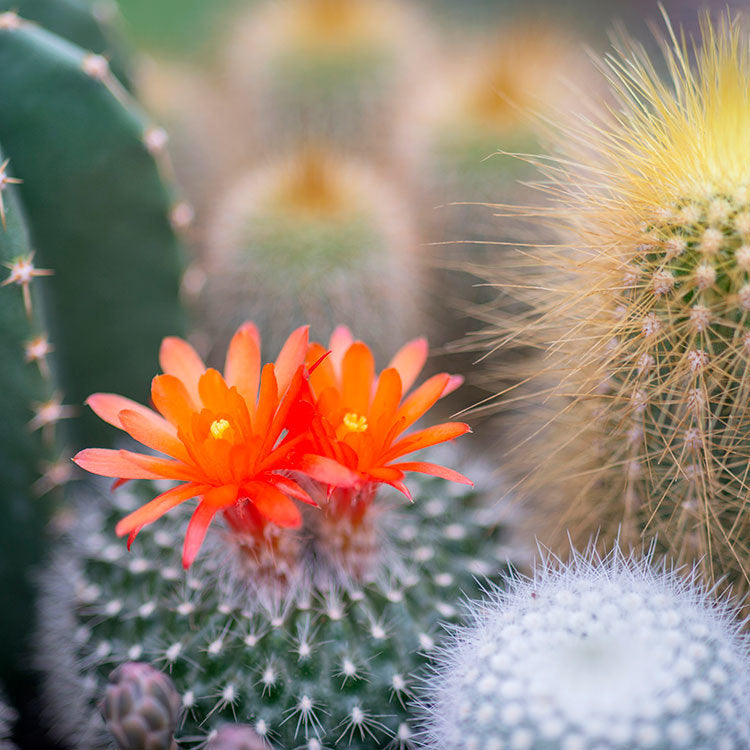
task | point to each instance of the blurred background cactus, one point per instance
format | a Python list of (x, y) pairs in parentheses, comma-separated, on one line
[(557, 660), (313, 238)]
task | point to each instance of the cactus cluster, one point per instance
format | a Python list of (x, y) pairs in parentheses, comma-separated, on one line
[(323, 663), (593, 653)]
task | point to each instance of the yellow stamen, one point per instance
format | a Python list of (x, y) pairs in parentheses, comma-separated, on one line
[(354, 422), (219, 428)]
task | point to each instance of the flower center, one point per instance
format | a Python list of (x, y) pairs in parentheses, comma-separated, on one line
[(354, 422), (219, 428)]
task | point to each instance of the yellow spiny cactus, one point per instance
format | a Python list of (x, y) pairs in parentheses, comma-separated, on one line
[(645, 311)]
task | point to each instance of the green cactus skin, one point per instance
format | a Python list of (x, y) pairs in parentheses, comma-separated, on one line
[(97, 208), (332, 667), (80, 22), (24, 453)]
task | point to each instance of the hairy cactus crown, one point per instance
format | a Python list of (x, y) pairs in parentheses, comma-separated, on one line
[(597, 652), (645, 313)]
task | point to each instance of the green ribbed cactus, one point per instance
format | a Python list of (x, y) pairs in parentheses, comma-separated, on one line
[(325, 662), (313, 238), (96, 205), (81, 202), (89, 24), (31, 458)]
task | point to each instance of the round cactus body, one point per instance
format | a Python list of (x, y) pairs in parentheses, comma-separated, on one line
[(312, 238), (324, 68), (593, 654), (313, 663)]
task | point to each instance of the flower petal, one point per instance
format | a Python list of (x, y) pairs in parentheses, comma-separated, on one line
[(268, 400), (422, 400), (438, 433), (357, 376), (113, 463), (290, 487), (328, 471), (455, 382), (107, 406), (153, 431), (242, 367), (341, 339), (274, 505), (158, 507), (386, 474), (291, 356), (425, 467), (178, 358), (409, 361), (165, 468), (385, 403), (213, 391), (324, 375), (401, 487), (171, 398)]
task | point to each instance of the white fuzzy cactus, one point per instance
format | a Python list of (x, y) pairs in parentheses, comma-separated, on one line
[(595, 653)]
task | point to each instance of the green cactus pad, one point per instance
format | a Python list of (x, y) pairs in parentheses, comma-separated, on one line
[(97, 207), (331, 666)]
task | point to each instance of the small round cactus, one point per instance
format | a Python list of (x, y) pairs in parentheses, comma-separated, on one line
[(333, 69), (594, 653), (323, 665), (313, 237)]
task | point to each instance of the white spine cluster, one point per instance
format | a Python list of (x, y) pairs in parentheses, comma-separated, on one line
[(596, 653)]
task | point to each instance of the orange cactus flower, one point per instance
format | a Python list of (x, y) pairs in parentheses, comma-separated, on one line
[(361, 417), (228, 439)]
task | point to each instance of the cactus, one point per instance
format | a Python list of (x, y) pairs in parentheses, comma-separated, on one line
[(328, 69), (32, 457), (645, 313), (312, 238), (593, 653), (141, 708), (320, 665), (487, 97), (87, 24), (113, 251)]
